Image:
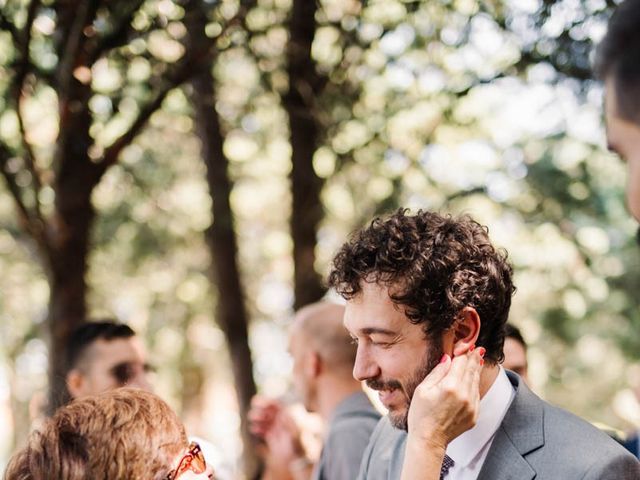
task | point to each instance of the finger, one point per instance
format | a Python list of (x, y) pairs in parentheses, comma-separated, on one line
[(471, 381), (289, 423), (458, 366), (438, 373), (259, 431), (475, 386), (260, 402), (256, 414), (259, 418), (472, 368)]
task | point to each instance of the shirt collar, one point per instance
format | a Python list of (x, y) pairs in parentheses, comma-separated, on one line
[(493, 407)]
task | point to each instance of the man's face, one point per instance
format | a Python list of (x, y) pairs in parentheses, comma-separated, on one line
[(393, 354), (111, 364), (300, 350), (515, 358), (623, 137)]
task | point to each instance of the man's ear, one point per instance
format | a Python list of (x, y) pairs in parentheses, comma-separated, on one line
[(466, 330), (313, 364), (75, 383)]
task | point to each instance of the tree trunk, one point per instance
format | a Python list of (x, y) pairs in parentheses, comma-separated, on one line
[(68, 235), (63, 238), (306, 186), (221, 238), (67, 300)]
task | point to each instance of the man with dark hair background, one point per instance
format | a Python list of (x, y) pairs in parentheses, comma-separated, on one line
[(103, 355), (515, 352), (618, 65), (420, 289), (106, 354)]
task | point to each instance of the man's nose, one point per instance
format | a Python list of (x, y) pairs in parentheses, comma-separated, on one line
[(141, 381), (364, 367)]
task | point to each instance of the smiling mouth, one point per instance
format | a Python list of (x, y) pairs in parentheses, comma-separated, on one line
[(386, 396)]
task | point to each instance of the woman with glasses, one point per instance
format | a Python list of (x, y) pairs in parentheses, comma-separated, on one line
[(121, 434)]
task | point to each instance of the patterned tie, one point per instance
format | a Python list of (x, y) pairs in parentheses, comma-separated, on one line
[(447, 463)]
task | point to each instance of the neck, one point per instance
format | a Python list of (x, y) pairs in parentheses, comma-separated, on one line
[(487, 377), (332, 391)]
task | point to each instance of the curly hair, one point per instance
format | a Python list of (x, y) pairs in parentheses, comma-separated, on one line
[(124, 433), (436, 265)]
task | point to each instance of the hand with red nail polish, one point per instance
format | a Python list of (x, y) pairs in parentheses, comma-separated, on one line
[(443, 406)]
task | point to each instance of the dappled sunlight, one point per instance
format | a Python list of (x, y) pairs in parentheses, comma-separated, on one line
[(480, 110)]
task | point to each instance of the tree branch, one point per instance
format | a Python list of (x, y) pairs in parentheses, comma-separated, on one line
[(117, 36), (201, 57), (69, 57), (26, 30), (30, 159), (462, 194), (25, 216), (187, 69), (22, 70), (6, 24)]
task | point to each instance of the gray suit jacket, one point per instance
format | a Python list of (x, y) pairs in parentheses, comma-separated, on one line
[(350, 428), (535, 441)]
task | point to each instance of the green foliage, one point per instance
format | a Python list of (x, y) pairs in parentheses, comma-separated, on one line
[(478, 107)]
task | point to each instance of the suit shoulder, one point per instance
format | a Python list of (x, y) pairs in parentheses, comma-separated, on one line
[(568, 425), (576, 439), (352, 431), (352, 423), (385, 441)]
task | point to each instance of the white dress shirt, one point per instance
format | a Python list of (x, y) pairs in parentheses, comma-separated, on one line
[(470, 449)]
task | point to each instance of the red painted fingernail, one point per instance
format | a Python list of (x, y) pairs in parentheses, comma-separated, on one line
[(482, 351), (472, 347), (444, 358), (481, 361)]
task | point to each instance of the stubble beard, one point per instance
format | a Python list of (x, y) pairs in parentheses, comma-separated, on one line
[(400, 419)]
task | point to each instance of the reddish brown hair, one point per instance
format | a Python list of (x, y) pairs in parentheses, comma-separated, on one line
[(124, 433)]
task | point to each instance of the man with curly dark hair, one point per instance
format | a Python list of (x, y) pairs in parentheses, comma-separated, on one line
[(423, 289)]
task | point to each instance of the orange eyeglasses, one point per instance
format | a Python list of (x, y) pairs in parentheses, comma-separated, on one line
[(193, 461)]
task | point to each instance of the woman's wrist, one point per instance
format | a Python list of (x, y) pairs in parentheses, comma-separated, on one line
[(422, 459), (428, 440)]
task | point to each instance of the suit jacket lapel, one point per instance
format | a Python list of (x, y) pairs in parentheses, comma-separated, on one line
[(504, 461), (521, 432)]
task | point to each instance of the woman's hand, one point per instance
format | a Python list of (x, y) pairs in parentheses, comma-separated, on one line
[(444, 405), (446, 402)]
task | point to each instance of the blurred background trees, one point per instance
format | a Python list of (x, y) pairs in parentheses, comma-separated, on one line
[(191, 166)]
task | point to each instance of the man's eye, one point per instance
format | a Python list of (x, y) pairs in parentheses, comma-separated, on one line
[(354, 341)]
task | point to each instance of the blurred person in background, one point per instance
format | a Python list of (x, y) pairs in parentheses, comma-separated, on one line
[(122, 434), (632, 440), (515, 359), (515, 352), (632, 443), (105, 355), (618, 65), (323, 355)]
